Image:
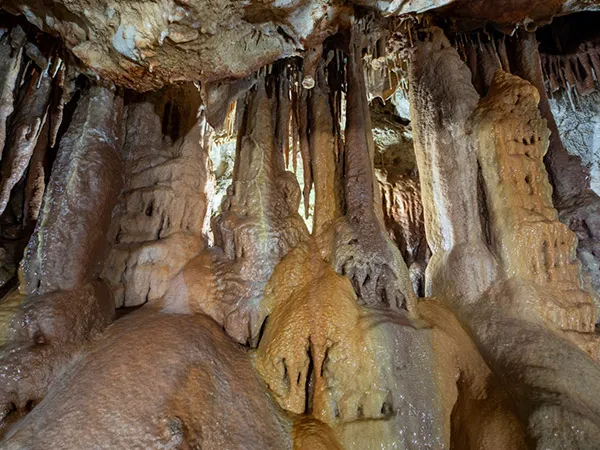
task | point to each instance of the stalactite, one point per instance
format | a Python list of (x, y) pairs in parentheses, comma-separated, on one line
[(11, 52), (322, 154), (359, 247), (26, 126), (304, 144), (259, 223), (577, 71), (36, 178)]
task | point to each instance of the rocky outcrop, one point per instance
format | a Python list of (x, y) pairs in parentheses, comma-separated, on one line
[(504, 301), (525, 232), (323, 354), (146, 45)]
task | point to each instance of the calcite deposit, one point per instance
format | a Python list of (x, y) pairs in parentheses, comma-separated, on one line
[(299, 225)]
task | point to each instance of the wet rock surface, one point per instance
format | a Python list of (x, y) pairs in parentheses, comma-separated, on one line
[(230, 408)]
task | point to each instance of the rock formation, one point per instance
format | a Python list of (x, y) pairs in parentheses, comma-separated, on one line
[(299, 225)]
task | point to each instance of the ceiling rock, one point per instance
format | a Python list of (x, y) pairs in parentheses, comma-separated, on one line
[(145, 44)]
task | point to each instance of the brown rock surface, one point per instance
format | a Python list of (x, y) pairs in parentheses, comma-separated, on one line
[(156, 381), (440, 107), (347, 365), (525, 232), (147, 44), (357, 244), (555, 405), (42, 337)]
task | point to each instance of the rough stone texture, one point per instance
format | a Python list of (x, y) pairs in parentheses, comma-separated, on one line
[(312, 434), (556, 406), (552, 381), (578, 206), (580, 132), (82, 191), (525, 232), (147, 44), (11, 55), (478, 410), (158, 222), (26, 126), (156, 380), (258, 225), (324, 155)]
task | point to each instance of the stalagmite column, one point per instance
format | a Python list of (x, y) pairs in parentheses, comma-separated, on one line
[(526, 235), (578, 206), (361, 249), (442, 98), (69, 244), (515, 323), (157, 224), (258, 225), (550, 378)]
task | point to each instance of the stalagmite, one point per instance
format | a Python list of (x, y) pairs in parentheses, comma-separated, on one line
[(258, 225), (84, 186), (157, 224), (520, 355), (359, 248), (578, 206), (442, 147), (530, 242), (191, 354)]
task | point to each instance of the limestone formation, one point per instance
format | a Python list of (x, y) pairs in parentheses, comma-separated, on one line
[(84, 186), (525, 233), (158, 222), (452, 223), (299, 225), (258, 225)]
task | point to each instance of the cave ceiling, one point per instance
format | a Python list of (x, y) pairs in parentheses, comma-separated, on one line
[(144, 45)]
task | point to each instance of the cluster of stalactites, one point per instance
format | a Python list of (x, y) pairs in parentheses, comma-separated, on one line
[(35, 86), (577, 73), (28, 110), (285, 81), (293, 81)]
